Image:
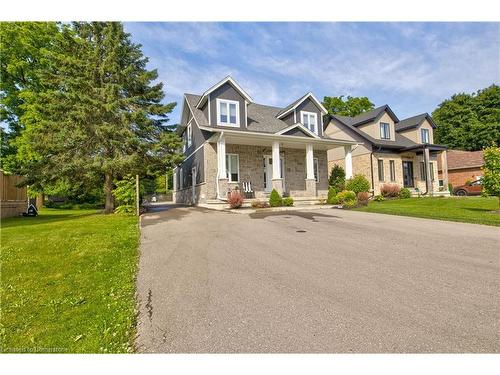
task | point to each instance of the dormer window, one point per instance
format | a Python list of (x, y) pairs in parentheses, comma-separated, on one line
[(424, 133), (385, 130), (310, 121), (228, 112)]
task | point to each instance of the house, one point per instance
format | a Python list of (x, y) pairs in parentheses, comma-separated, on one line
[(390, 150), (13, 198), (463, 166), (230, 141)]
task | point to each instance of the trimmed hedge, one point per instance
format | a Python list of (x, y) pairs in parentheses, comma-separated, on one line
[(275, 199)]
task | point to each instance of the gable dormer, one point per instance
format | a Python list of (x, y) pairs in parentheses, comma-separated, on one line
[(307, 111), (418, 128), (379, 123), (225, 104)]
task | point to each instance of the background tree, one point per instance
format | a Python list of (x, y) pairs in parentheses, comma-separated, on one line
[(350, 106), (491, 178), (22, 47), (469, 121), (99, 116)]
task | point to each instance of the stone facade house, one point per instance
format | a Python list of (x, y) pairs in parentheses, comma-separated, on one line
[(390, 150), (232, 142), (463, 166)]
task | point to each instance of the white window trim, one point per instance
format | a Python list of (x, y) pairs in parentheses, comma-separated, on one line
[(228, 173), (219, 123), (189, 131), (428, 135), (380, 128), (309, 114), (180, 179)]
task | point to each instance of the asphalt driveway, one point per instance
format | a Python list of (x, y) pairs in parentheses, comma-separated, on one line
[(316, 281)]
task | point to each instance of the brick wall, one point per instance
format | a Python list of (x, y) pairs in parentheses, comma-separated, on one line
[(457, 177)]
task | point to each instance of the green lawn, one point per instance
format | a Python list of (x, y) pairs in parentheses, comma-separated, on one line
[(476, 210), (68, 282)]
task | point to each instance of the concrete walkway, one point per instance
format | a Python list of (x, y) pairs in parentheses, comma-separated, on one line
[(316, 281)]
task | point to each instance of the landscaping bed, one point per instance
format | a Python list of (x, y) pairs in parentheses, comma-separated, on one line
[(68, 282), (477, 210)]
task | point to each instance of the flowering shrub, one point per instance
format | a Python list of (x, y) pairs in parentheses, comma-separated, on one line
[(390, 190), (405, 193), (378, 198), (235, 199), (363, 197), (346, 196), (259, 204), (357, 183)]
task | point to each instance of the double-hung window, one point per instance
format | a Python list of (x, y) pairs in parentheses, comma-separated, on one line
[(422, 171), (233, 167), (189, 132), (228, 112), (385, 130), (381, 170), (431, 170), (424, 133), (392, 169), (310, 121)]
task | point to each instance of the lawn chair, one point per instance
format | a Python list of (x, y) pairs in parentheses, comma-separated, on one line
[(247, 190)]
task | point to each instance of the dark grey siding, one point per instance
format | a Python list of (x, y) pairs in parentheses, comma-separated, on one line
[(199, 137), (290, 119), (309, 106), (195, 160), (297, 132), (226, 91), (205, 110)]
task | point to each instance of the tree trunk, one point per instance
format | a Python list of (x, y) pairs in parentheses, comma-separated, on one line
[(39, 200), (108, 191)]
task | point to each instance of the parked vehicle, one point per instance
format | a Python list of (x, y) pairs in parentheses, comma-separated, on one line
[(470, 188)]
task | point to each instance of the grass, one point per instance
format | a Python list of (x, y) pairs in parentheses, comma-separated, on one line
[(477, 210), (68, 282)]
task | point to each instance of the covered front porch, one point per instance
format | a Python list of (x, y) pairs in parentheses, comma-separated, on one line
[(295, 166)]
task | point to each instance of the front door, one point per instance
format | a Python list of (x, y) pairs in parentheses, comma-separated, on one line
[(268, 172), (408, 174)]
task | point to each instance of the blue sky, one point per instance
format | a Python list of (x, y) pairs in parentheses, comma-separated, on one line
[(410, 66)]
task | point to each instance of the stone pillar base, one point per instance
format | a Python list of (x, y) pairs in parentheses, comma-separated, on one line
[(311, 187), (223, 187), (278, 185)]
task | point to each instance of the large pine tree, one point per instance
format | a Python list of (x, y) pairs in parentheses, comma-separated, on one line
[(99, 115)]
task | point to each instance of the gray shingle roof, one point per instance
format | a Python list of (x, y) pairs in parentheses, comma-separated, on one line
[(369, 116), (400, 141), (288, 107), (412, 122), (198, 114)]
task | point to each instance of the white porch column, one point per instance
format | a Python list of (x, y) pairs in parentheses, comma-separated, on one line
[(310, 180), (277, 180), (222, 180), (276, 160), (348, 161), (309, 162), (221, 157)]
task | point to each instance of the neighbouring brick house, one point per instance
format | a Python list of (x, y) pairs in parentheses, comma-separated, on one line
[(390, 150), (463, 166), (231, 141)]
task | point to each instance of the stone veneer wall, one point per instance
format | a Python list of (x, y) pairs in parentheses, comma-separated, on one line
[(252, 169), (185, 196), (361, 165)]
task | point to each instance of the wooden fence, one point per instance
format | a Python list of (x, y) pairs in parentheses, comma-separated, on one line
[(14, 200)]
